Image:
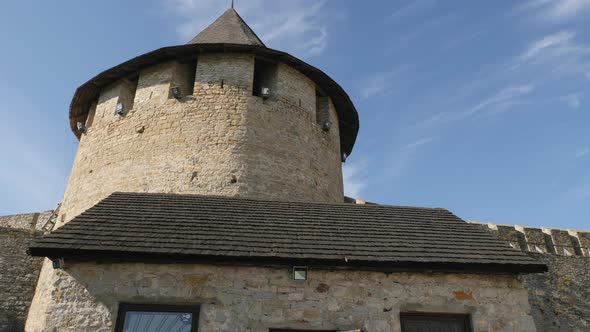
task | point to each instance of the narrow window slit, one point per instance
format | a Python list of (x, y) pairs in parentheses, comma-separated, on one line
[(265, 78)]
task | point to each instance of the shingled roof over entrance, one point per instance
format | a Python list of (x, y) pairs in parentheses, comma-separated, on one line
[(140, 226), (229, 28)]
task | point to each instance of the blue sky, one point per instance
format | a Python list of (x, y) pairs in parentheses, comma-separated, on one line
[(480, 107)]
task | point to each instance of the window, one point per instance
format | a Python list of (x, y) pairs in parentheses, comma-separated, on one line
[(157, 318), (183, 79), (322, 106), (265, 76), (424, 322), (287, 330), (127, 95)]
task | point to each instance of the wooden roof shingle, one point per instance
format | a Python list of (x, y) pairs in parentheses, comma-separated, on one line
[(143, 226)]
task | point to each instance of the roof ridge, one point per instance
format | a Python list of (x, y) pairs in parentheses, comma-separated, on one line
[(229, 28)]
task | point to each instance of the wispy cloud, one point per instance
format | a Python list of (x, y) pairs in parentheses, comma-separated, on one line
[(412, 7), (502, 98), (553, 11), (381, 82), (558, 53), (298, 26), (583, 152), (400, 159), (455, 41), (354, 182), (573, 100), (556, 44), (417, 144)]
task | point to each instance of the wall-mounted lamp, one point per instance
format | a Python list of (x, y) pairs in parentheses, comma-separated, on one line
[(326, 125), (265, 92), (176, 93), (300, 273), (120, 109), (344, 156), (58, 263), (81, 127)]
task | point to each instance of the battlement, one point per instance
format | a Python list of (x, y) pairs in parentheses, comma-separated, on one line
[(563, 242), (30, 222)]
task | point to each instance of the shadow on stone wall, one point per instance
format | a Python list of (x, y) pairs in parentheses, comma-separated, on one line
[(9, 322), (18, 270)]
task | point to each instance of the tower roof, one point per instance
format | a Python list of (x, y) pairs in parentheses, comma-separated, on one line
[(229, 33), (229, 28)]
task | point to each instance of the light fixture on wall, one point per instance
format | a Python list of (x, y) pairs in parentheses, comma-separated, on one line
[(344, 156), (176, 93), (265, 92), (300, 273), (81, 127), (327, 125), (120, 109)]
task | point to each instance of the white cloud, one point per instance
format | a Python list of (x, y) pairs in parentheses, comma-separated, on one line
[(413, 7), (353, 181), (502, 98), (573, 100), (297, 26), (417, 143), (565, 9), (381, 82), (583, 152), (400, 161), (554, 11), (557, 44), (557, 53)]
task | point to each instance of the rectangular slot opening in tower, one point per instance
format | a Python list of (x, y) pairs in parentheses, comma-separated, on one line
[(322, 107), (127, 95), (184, 79), (265, 78)]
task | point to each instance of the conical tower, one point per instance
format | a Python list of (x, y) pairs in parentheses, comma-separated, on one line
[(221, 115), (229, 28)]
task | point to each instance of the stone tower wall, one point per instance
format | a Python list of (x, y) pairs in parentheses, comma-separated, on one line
[(218, 139)]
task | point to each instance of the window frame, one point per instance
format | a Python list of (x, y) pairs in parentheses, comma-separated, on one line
[(299, 330), (130, 307), (426, 315)]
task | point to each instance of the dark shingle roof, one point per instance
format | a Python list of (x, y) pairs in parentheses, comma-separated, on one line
[(229, 28), (221, 229)]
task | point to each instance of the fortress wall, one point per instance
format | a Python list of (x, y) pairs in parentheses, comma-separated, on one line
[(18, 271), (559, 298)]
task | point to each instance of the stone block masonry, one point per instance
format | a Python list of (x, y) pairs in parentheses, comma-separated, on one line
[(560, 298), (18, 271), (254, 299), (220, 140)]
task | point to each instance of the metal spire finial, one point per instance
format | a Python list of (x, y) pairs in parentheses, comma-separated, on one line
[(232, 3)]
